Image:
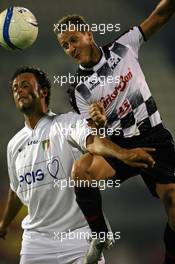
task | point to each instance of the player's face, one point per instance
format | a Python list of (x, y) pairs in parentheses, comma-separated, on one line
[(78, 45), (26, 92)]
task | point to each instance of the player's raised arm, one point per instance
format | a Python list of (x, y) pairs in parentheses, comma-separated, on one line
[(158, 18)]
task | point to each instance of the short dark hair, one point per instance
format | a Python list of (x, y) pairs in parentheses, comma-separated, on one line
[(76, 20), (40, 76)]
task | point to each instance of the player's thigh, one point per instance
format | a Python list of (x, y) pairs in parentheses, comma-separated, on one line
[(100, 168)]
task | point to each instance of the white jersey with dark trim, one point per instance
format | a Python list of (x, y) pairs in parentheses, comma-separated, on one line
[(39, 163), (118, 82)]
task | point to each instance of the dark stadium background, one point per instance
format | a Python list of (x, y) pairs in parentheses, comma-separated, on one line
[(131, 209)]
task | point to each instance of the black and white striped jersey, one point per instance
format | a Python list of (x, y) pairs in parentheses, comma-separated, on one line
[(118, 81)]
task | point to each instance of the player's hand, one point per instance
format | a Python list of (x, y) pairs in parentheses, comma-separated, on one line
[(98, 114), (3, 231), (138, 157)]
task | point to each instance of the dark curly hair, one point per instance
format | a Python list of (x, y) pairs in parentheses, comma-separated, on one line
[(40, 76)]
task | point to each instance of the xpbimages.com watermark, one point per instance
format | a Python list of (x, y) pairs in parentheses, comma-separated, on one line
[(101, 184), (91, 81), (71, 235), (102, 28), (85, 131)]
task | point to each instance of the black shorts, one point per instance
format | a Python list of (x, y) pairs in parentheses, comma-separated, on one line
[(164, 169)]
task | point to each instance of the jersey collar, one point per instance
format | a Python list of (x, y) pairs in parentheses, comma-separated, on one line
[(42, 122), (96, 66)]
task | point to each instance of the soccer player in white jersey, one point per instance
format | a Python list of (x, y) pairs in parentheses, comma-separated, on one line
[(39, 160), (112, 75)]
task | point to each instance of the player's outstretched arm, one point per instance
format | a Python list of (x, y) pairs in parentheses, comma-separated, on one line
[(137, 157), (95, 167), (158, 18), (12, 208)]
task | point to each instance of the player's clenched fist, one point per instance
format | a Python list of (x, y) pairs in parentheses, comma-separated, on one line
[(98, 114)]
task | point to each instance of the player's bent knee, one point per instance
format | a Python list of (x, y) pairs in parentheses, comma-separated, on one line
[(93, 167), (80, 167), (100, 169)]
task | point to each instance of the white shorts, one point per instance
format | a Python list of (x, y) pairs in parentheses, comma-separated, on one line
[(38, 248), (56, 258)]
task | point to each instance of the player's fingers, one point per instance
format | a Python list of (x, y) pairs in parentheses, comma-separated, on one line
[(95, 112), (100, 106), (96, 107), (140, 165), (148, 159), (150, 163), (96, 116), (93, 106), (149, 149), (143, 156)]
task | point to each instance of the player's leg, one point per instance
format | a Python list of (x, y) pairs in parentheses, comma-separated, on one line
[(166, 192), (156, 181), (162, 179), (89, 198)]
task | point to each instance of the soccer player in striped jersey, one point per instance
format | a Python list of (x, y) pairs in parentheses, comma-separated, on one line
[(112, 75)]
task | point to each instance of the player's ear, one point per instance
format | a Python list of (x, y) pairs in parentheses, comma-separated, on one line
[(90, 34), (44, 91)]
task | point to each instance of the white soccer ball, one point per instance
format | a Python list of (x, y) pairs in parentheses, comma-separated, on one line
[(18, 28)]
